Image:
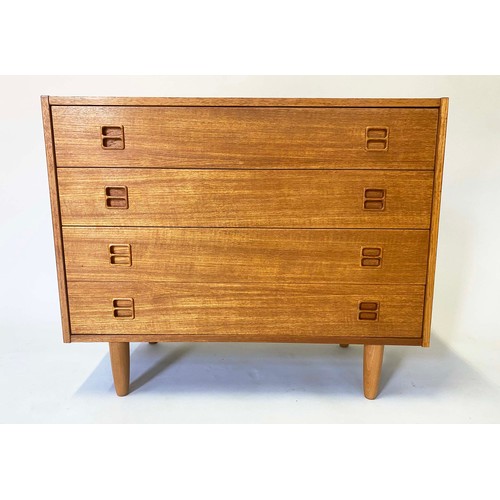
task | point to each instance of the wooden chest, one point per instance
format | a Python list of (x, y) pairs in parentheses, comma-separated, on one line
[(248, 220)]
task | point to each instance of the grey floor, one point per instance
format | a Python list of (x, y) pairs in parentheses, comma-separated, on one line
[(45, 381)]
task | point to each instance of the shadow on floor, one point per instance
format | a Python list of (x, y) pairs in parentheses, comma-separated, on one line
[(283, 368)]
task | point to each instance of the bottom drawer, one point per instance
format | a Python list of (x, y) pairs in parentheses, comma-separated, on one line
[(246, 309)]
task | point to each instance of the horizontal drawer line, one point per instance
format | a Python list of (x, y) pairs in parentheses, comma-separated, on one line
[(255, 338), (256, 228), (290, 106), (365, 169), (256, 283), (228, 334)]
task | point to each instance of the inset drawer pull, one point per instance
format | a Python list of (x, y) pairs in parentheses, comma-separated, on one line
[(374, 199), (116, 196), (112, 137), (371, 256), (377, 138), (123, 308), (120, 254), (368, 311)]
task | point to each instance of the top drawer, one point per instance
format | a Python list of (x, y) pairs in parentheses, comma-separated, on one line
[(244, 137)]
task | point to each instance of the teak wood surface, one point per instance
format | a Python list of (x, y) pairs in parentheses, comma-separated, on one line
[(56, 217), (372, 366), (245, 220), (253, 337), (246, 198), (436, 205), (245, 309), (119, 353), (246, 255), (243, 101), (246, 137)]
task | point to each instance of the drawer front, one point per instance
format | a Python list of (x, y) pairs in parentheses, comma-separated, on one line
[(251, 137), (245, 198), (245, 255), (246, 309)]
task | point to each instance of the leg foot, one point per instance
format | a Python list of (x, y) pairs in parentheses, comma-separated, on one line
[(153, 343), (119, 353), (344, 345), (372, 365)]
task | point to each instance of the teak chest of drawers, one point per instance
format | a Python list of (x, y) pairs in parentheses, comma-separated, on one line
[(254, 220)]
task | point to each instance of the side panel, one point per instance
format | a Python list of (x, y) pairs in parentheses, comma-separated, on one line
[(436, 204), (56, 216)]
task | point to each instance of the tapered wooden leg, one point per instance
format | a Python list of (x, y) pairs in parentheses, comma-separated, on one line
[(372, 366), (344, 345), (119, 352)]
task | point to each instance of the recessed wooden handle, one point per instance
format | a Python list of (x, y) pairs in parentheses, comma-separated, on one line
[(120, 254), (374, 199), (377, 139), (368, 310), (124, 308), (371, 256), (116, 196), (112, 137)]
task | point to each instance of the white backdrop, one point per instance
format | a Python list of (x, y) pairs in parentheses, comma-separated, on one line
[(467, 296)]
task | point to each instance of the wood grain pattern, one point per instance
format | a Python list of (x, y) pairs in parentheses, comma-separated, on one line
[(436, 204), (246, 309), (245, 137), (245, 255), (246, 220), (246, 198), (119, 352), (372, 366), (56, 217), (243, 101), (234, 337)]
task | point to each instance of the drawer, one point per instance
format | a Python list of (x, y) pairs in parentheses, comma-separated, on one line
[(244, 137), (246, 309), (245, 255), (245, 198)]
